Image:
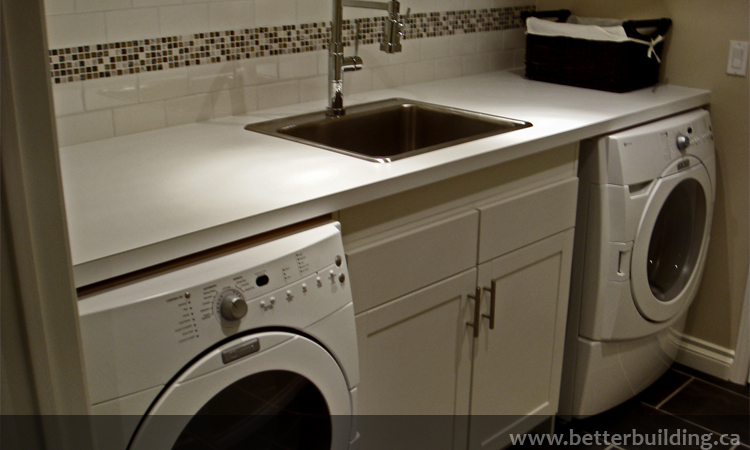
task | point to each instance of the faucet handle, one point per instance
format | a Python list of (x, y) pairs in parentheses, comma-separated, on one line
[(350, 63), (402, 22), (394, 30)]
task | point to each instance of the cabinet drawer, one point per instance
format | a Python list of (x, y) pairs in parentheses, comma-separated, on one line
[(411, 259), (514, 222)]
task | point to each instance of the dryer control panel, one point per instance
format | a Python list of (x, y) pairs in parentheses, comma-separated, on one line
[(640, 154), (163, 322)]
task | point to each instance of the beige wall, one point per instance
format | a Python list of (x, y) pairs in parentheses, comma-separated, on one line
[(696, 55)]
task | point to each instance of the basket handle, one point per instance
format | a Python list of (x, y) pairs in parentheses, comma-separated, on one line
[(661, 25), (560, 14)]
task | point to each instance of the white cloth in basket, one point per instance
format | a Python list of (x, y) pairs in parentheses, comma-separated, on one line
[(576, 30), (589, 28)]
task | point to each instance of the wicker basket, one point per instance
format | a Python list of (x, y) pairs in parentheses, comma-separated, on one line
[(604, 65)]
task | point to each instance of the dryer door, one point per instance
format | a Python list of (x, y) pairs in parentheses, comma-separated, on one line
[(671, 244), (273, 390)]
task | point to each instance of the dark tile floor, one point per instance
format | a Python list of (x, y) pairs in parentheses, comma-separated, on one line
[(684, 409)]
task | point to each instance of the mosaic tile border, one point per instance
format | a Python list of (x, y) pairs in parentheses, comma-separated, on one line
[(91, 62)]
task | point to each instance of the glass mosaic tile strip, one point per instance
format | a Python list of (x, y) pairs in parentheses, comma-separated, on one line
[(147, 55)]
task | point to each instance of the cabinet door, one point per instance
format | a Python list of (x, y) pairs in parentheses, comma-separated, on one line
[(517, 365), (410, 258), (415, 368)]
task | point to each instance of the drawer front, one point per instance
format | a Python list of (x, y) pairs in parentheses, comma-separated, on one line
[(515, 222), (411, 259)]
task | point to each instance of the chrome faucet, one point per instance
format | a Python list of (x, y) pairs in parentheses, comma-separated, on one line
[(338, 63)]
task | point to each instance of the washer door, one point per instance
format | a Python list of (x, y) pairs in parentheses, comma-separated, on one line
[(671, 244), (287, 393)]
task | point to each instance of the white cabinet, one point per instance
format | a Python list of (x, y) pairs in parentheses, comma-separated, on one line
[(517, 365), (414, 354), (415, 261)]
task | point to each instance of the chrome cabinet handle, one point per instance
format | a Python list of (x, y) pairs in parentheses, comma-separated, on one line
[(492, 290), (477, 311)]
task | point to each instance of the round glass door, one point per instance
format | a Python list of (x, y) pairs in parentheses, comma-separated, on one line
[(671, 244), (289, 394), (676, 240), (273, 410)]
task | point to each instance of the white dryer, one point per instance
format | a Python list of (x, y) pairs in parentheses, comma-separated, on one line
[(251, 348), (645, 205)]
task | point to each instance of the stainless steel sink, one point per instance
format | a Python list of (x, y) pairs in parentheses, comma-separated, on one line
[(388, 130)]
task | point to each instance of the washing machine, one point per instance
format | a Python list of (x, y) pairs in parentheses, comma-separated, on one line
[(252, 348), (646, 200)]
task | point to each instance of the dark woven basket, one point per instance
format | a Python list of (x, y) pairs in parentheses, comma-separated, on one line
[(607, 66)]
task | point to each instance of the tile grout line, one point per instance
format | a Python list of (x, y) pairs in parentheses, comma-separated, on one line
[(713, 384), (690, 422), (674, 393)]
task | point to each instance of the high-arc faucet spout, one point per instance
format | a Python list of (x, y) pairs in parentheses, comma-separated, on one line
[(338, 63)]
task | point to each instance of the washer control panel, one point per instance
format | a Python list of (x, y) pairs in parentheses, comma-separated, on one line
[(164, 321)]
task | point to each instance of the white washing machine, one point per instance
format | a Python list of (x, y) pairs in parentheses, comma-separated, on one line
[(645, 204), (253, 349)]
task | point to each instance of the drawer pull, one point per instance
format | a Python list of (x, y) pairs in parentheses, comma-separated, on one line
[(492, 290), (477, 311)]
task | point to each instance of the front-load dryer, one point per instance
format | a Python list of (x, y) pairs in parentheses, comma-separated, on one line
[(251, 348), (646, 200)]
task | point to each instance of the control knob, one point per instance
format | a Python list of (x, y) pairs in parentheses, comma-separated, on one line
[(683, 142), (233, 306)]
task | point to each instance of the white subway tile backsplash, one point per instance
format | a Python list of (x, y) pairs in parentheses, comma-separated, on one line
[(101, 5), (211, 77), (110, 92), (515, 38), (52, 7), (130, 24), (464, 44), (315, 88), (235, 101), (85, 127), (251, 72), (410, 52), (310, 11), (447, 5), (372, 56), (419, 72), (492, 41), (162, 84), (147, 3), (474, 64), (141, 117), (68, 98), (183, 19), (70, 30), (450, 67), (356, 82), (231, 15), (388, 77), (278, 94), (435, 47), (275, 12), (322, 62), (186, 78), (488, 62), (189, 109), (300, 65)]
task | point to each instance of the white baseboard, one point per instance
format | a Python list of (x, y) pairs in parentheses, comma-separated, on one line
[(705, 357)]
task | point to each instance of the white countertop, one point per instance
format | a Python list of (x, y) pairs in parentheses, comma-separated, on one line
[(139, 200)]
